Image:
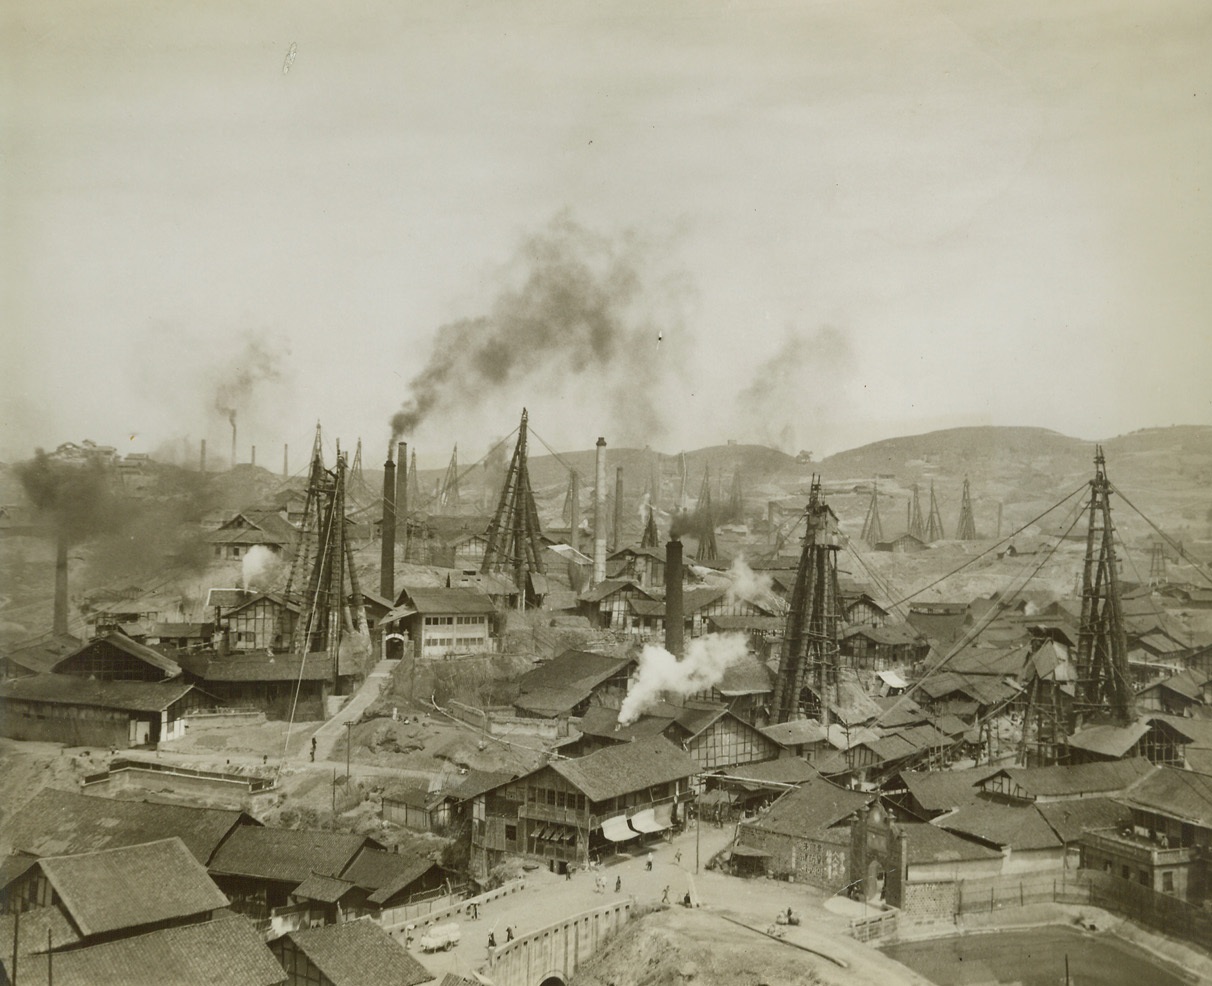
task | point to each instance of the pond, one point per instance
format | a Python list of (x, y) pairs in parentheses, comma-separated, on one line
[(1034, 957)]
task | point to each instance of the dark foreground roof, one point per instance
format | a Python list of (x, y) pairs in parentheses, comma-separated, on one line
[(286, 855), (59, 823), (627, 767), (63, 689), (136, 885), (359, 953), (810, 810), (225, 952)]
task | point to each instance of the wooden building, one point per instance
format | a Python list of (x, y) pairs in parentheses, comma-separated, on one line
[(356, 953), (568, 684), (571, 810), (868, 647), (608, 604), (250, 529), (444, 623), (277, 684), (113, 656), (76, 711), (643, 566)]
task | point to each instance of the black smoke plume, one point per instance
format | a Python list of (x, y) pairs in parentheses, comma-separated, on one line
[(256, 363), (582, 305), (77, 500), (801, 385)]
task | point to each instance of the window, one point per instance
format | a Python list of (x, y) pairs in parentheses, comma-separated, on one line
[(511, 833), (1167, 881), (1125, 872), (1144, 877)]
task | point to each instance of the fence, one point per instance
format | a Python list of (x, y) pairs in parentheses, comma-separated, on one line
[(423, 915), (880, 927), (1132, 900), (255, 785)]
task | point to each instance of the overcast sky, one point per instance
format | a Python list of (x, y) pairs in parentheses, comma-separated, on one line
[(811, 224)]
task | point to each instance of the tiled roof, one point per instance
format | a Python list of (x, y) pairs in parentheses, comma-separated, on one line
[(930, 844), (696, 599), (627, 767), (810, 809), (227, 951), (44, 655), (1181, 794), (286, 855), (141, 652), (608, 586), (566, 680), (601, 721), (1012, 826), (258, 666), (937, 790), (135, 885), (797, 732), (35, 924), (63, 689), (785, 770), (1077, 780), (747, 676), (227, 598), (182, 629), (387, 874), (695, 719), (1109, 739), (326, 889), (276, 598), (465, 601), (1070, 819), (357, 953), (58, 823), (893, 634)]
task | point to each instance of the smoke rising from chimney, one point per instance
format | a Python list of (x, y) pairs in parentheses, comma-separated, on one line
[(659, 672), (260, 568), (801, 385), (239, 378), (753, 587), (581, 307)]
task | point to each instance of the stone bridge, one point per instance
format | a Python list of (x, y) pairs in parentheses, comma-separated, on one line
[(549, 956)]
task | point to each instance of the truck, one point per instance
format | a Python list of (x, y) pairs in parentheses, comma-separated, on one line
[(440, 938)]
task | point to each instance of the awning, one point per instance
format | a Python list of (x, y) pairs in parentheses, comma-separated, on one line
[(892, 679), (746, 851), (647, 820), (616, 830)]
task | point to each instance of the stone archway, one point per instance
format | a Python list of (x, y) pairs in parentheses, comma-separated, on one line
[(553, 979)]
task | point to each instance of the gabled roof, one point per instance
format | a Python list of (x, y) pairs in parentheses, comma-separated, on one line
[(357, 953), (609, 586), (1071, 819), (125, 888), (746, 676), (1181, 794), (696, 599), (276, 598), (42, 656), (797, 732), (603, 722), (227, 598), (259, 666), (1077, 780), (1003, 826), (694, 720), (809, 810), (891, 635), (1109, 739), (929, 844), (447, 601), (386, 873), (784, 770), (182, 629), (141, 652), (255, 527), (325, 889), (125, 696), (938, 790), (286, 855), (1188, 683), (627, 767), (60, 823), (225, 951), (37, 926), (567, 680)]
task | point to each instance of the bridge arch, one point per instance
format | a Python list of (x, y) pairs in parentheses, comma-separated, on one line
[(554, 978)]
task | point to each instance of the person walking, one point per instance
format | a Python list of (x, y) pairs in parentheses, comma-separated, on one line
[(618, 884), (648, 863), (665, 895), (509, 932), (313, 749), (677, 856)]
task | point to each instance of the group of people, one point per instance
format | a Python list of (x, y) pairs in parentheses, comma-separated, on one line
[(492, 936)]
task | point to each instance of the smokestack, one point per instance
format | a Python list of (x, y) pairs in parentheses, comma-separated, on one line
[(673, 597), (285, 461), (402, 497), (60, 622), (233, 440), (202, 457), (618, 509), (387, 558), (599, 516), (252, 459)]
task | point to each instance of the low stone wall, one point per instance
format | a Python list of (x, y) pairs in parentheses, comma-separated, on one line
[(558, 949), (496, 722), (224, 717), (398, 918)]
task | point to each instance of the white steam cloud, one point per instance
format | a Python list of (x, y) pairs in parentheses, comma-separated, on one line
[(753, 587), (260, 567), (659, 671)]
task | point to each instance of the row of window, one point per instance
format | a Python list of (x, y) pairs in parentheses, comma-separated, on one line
[(448, 621), (556, 799)]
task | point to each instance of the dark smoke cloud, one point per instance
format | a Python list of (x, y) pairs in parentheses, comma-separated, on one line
[(799, 388), (256, 363), (76, 499), (582, 305)]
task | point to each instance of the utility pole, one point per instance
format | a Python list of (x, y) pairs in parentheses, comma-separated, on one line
[(348, 746)]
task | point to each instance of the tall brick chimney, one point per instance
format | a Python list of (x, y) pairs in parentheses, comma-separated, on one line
[(60, 619), (673, 597), (599, 516), (387, 556)]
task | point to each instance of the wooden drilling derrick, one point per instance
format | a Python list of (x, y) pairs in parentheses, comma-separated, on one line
[(704, 517), (873, 530), (807, 681), (449, 500), (1157, 565), (916, 527), (355, 468), (965, 530), (1098, 687), (736, 500), (572, 508), (934, 526), (1104, 684), (514, 545)]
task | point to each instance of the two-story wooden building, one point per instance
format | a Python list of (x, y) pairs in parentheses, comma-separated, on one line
[(570, 810)]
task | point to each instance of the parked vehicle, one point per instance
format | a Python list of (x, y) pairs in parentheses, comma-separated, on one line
[(440, 938)]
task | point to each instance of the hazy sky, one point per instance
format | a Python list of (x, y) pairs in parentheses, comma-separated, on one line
[(832, 222)]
